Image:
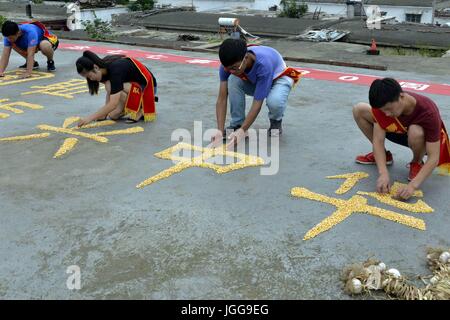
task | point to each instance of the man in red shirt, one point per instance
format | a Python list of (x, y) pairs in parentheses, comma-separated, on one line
[(408, 119)]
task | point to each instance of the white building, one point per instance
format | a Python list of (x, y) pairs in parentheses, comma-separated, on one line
[(420, 11)]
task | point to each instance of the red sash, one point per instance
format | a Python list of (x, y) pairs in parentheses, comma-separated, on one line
[(47, 35), (289, 72), (53, 39), (390, 124), (141, 98), (444, 159)]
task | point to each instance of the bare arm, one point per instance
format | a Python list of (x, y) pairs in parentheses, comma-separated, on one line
[(433, 153), (31, 51), (103, 111), (108, 91), (221, 114), (221, 105), (239, 134), (252, 114), (379, 136), (4, 60)]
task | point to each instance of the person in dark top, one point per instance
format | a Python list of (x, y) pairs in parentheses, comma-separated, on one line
[(408, 119), (130, 87)]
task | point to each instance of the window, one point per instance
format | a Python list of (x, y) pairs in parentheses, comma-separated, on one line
[(410, 17)]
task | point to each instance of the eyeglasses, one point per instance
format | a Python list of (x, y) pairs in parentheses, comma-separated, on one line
[(236, 68)]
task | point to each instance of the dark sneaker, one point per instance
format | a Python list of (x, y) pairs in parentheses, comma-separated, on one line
[(51, 65), (35, 66), (275, 129)]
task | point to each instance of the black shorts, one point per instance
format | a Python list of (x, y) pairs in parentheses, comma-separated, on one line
[(54, 46), (398, 138)]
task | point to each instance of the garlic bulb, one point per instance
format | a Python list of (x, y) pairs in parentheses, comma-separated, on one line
[(434, 280), (356, 286), (381, 266), (444, 257), (394, 272)]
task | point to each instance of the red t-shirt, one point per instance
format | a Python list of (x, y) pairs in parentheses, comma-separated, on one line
[(426, 114)]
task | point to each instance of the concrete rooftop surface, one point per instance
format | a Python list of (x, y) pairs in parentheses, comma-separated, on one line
[(197, 234)]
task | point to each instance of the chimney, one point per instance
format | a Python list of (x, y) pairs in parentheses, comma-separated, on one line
[(354, 8)]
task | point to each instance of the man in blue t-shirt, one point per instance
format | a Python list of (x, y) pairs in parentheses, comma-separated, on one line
[(26, 39), (258, 71)]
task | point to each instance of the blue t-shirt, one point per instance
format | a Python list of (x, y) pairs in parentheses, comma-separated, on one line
[(268, 66), (31, 36)]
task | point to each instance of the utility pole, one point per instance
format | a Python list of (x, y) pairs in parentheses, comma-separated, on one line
[(28, 9)]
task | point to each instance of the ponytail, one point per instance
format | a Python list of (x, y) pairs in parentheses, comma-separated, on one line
[(86, 63)]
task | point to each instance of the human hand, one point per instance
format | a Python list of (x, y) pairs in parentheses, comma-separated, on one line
[(405, 192), (383, 184), (235, 138), (216, 140), (25, 75), (84, 122)]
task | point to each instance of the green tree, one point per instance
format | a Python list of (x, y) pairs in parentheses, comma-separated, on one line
[(142, 5), (2, 20), (291, 9), (98, 29)]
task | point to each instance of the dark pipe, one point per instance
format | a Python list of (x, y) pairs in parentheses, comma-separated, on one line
[(28, 10)]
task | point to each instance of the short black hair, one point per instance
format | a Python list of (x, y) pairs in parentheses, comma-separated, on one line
[(9, 28), (232, 51), (383, 91)]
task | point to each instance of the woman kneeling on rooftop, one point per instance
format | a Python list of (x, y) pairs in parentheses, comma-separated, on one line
[(130, 87)]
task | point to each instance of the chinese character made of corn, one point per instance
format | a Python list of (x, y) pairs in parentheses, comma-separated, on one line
[(75, 133), (358, 204), (200, 161)]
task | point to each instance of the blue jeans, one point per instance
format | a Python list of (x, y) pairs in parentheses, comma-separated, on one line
[(276, 100)]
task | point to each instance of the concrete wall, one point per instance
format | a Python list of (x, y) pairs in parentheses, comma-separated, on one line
[(75, 16), (400, 12), (442, 20), (104, 14), (203, 5), (207, 5), (329, 8)]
